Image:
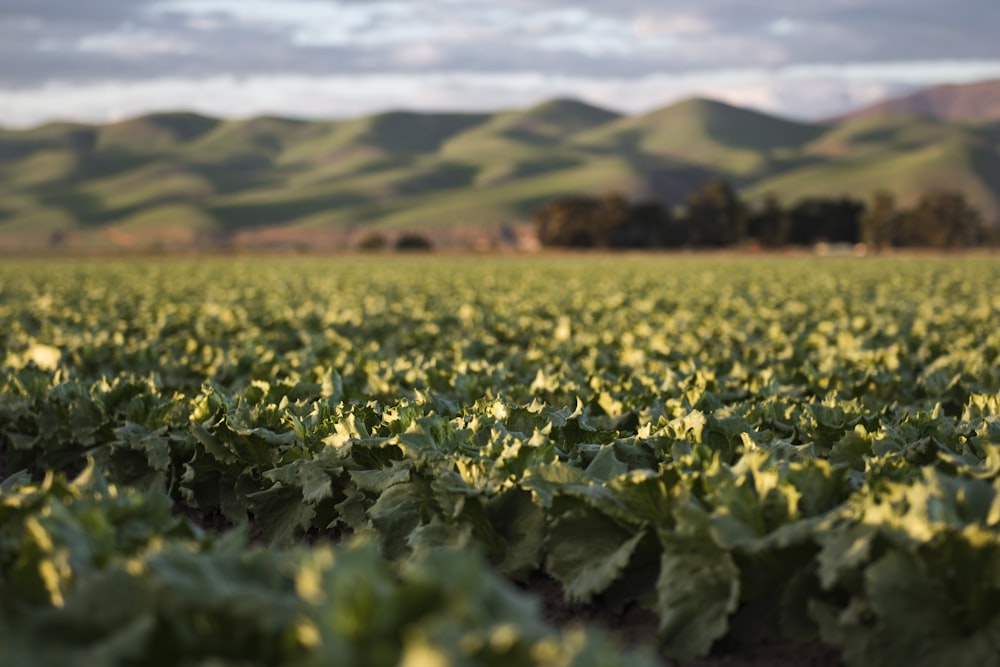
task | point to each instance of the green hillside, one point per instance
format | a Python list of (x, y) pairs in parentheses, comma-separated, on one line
[(155, 133), (182, 176), (516, 145), (734, 142), (905, 155)]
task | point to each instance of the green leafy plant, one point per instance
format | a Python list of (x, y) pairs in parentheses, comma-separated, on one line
[(262, 462)]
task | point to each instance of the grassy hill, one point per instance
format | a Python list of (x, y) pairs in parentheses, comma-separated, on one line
[(734, 142), (905, 155), (181, 178)]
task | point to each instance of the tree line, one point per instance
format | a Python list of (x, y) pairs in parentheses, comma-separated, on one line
[(714, 216)]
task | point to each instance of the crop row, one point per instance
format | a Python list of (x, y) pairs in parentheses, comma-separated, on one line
[(720, 442)]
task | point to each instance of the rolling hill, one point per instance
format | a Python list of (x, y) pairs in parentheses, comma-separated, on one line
[(182, 179), (734, 142), (973, 102)]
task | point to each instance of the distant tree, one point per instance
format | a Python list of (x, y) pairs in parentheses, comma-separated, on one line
[(990, 236), (412, 241), (770, 225), (611, 214), (583, 222), (941, 219), (569, 222), (674, 231), (648, 224), (611, 221), (372, 241), (879, 220), (715, 215), (830, 220)]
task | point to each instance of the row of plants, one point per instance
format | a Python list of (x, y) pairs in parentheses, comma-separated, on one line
[(809, 448)]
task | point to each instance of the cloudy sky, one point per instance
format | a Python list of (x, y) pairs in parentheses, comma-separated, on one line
[(101, 60)]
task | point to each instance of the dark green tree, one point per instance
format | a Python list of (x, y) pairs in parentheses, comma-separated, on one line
[(941, 219), (770, 225), (716, 216), (372, 242), (823, 219), (568, 222), (879, 220), (648, 224), (611, 221), (412, 241), (612, 213)]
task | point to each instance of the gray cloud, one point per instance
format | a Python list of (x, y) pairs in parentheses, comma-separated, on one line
[(129, 39), (649, 49)]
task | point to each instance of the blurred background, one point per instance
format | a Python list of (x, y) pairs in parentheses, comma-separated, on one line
[(188, 115)]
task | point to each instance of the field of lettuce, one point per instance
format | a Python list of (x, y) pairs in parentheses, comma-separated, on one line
[(450, 461)]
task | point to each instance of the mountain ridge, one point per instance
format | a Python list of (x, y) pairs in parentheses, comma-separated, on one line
[(972, 102), (182, 176)]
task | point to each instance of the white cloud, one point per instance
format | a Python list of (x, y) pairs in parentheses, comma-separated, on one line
[(417, 55), (134, 44), (807, 92), (917, 72), (309, 23), (377, 24), (784, 26), (658, 24)]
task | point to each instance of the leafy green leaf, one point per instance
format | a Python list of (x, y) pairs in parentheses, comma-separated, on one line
[(587, 552), (698, 588)]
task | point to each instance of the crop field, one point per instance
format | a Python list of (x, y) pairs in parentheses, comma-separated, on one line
[(382, 461)]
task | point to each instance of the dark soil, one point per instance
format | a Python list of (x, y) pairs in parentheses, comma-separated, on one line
[(213, 523), (633, 627), (636, 627), (9, 463), (785, 654)]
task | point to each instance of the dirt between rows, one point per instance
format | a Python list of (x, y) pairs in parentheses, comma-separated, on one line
[(637, 627)]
